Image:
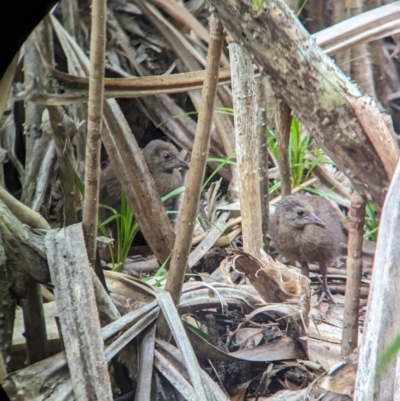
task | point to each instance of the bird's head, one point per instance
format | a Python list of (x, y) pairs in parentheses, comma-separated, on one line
[(163, 157), (296, 212)]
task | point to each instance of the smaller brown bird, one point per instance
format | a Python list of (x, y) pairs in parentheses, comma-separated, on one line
[(163, 161), (307, 229)]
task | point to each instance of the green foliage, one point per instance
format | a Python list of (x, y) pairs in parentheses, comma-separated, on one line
[(302, 4), (159, 277), (222, 163), (195, 329), (258, 5), (301, 165), (127, 228), (371, 222), (325, 194), (388, 356)]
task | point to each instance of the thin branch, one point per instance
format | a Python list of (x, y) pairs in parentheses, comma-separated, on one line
[(354, 272), (93, 144), (197, 165)]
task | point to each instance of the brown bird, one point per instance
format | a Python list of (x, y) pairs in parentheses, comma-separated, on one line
[(307, 229), (163, 161)]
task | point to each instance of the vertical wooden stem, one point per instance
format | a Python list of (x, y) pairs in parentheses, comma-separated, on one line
[(283, 120), (246, 148), (197, 164), (95, 114), (354, 272), (261, 127)]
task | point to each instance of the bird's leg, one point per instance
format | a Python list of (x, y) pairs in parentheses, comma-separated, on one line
[(305, 270), (325, 289)]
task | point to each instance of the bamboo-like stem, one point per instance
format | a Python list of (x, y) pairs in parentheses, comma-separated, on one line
[(261, 127), (354, 272), (93, 144), (197, 164), (283, 120)]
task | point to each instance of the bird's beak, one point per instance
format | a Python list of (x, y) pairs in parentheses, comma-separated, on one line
[(313, 219), (181, 163)]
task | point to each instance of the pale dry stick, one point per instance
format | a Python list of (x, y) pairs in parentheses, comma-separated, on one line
[(354, 272), (95, 117), (283, 120), (246, 148), (197, 165)]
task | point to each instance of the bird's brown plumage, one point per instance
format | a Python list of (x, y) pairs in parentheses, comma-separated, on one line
[(163, 161), (307, 229)]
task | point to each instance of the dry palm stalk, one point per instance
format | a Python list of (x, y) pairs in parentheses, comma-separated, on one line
[(354, 272), (244, 107), (366, 27), (93, 139)]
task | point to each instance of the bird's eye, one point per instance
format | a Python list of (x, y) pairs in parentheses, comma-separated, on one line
[(300, 213), (167, 156)]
